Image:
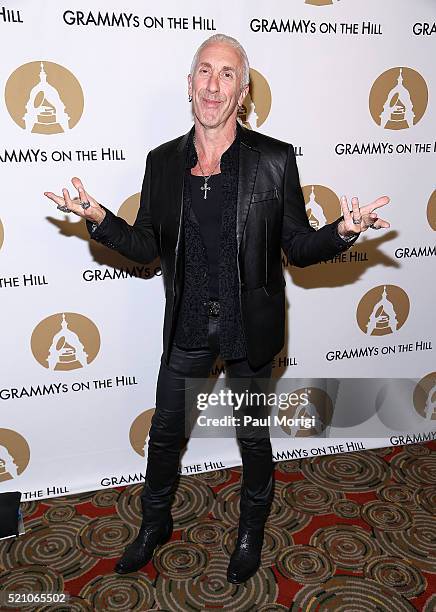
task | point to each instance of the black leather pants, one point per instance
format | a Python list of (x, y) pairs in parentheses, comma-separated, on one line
[(167, 432)]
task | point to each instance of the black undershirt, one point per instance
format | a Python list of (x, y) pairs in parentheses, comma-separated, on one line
[(208, 214)]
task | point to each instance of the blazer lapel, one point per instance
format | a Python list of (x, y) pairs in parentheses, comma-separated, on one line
[(248, 164), (177, 167)]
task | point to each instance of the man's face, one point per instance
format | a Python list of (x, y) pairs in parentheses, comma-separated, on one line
[(215, 86)]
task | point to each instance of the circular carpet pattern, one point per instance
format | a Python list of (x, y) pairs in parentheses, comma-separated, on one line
[(346, 533)]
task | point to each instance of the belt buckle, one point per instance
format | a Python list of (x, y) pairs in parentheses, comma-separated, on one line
[(213, 308)]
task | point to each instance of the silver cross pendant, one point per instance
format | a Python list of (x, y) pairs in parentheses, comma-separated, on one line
[(205, 188)]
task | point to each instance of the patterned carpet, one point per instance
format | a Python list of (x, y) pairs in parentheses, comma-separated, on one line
[(347, 533)]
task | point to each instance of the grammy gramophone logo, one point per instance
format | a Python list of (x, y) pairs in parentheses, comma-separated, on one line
[(315, 405), (44, 98), (139, 429), (431, 211), (14, 454), (383, 310), (424, 397), (65, 341), (398, 98), (2, 234), (322, 205), (257, 103)]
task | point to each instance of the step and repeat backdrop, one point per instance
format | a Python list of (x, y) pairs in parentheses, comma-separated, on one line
[(87, 90)]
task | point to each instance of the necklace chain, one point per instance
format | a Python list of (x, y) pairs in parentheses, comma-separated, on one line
[(206, 178), (205, 188)]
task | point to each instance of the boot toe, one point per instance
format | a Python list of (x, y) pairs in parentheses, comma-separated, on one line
[(240, 575), (122, 568), (131, 562), (241, 568), (246, 558), (140, 552)]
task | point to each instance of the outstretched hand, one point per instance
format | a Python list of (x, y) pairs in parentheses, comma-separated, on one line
[(83, 205), (358, 220)]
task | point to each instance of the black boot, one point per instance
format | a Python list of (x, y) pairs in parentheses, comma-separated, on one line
[(257, 493), (156, 529), (140, 552), (245, 559)]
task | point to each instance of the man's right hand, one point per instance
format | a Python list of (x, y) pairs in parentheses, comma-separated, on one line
[(94, 212)]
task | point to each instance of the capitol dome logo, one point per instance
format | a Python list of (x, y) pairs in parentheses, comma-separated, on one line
[(424, 397), (2, 234), (322, 205), (44, 98), (318, 407), (431, 211), (14, 454), (383, 310), (65, 341), (257, 103), (139, 429), (398, 98)]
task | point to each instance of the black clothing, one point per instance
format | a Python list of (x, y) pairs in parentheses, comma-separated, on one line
[(270, 215), (208, 214), (263, 211), (167, 432), (192, 318)]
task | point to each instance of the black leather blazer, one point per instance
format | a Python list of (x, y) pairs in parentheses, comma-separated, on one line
[(271, 215)]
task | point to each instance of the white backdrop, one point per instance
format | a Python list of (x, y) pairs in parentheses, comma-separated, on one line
[(88, 94)]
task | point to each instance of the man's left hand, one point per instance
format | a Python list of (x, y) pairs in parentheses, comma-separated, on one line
[(358, 220)]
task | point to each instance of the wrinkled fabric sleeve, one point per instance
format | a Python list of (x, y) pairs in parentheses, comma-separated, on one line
[(302, 244), (137, 241)]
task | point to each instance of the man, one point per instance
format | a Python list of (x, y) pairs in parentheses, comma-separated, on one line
[(217, 206)]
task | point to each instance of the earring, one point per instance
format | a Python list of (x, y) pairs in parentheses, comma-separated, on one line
[(189, 98)]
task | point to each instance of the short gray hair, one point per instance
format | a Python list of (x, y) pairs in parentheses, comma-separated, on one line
[(228, 40)]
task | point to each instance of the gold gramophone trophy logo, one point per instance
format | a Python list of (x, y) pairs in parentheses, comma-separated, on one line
[(257, 103), (2, 234), (65, 341), (139, 429), (315, 408), (398, 98), (431, 211), (383, 310), (44, 98), (424, 397), (322, 205), (14, 454)]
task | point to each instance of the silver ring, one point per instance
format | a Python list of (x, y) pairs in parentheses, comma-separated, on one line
[(372, 226), (64, 209), (85, 205), (357, 221)]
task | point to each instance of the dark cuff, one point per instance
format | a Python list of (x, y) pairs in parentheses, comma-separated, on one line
[(97, 231), (340, 242)]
